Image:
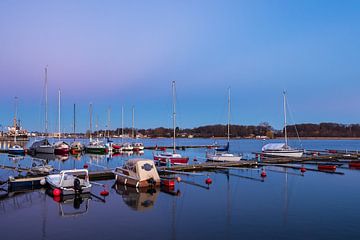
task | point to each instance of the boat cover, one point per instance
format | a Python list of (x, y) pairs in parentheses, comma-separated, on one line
[(143, 169), (274, 146)]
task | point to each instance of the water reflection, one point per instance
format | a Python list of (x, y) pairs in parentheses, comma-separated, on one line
[(138, 199)]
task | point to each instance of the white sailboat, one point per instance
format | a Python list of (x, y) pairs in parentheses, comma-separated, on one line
[(43, 146), (172, 157), (16, 149), (282, 149), (137, 146), (224, 156)]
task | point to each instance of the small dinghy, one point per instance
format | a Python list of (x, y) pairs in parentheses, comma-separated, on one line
[(324, 167), (69, 181), (138, 173)]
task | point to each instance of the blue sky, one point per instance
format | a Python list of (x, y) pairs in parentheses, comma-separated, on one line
[(116, 53)]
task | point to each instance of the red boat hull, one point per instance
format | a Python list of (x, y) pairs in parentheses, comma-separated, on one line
[(354, 165), (61, 151), (182, 160), (327, 167)]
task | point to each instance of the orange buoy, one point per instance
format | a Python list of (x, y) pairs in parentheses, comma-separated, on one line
[(208, 181), (56, 192)]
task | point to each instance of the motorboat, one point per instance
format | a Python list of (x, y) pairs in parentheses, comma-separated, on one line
[(16, 150), (42, 146), (76, 148), (138, 146), (96, 147), (126, 147), (70, 182), (138, 173), (61, 148)]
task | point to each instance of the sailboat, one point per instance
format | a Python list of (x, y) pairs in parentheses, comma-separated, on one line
[(16, 149), (137, 146), (223, 155), (282, 149), (76, 147), (95, 146), (172, 157), (61, 147), (43, 146)]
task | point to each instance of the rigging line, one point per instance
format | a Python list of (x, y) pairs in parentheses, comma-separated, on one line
[(292, 119)]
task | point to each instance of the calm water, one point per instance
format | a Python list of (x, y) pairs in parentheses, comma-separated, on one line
[(284, 206)]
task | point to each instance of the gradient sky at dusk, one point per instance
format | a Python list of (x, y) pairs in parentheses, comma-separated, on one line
[(115, 53)]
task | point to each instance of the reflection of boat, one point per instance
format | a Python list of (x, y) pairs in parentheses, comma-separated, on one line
[(138, 199), (138, 173), (282, 149), (172, 157), (72, 205), (69, 182), (223, 155)]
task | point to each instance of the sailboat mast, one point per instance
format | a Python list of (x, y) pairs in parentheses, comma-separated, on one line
[(122, 124), (90, 113), (228, 125), (174, 115), (59, 112), (74, 121), (46, 103), (133, 125), (109, 121), (285, 123), (15, 119)]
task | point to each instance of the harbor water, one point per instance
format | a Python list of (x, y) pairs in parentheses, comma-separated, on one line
[(239, 204)]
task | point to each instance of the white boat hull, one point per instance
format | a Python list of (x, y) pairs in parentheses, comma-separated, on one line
[(296, 154), (219, 158)]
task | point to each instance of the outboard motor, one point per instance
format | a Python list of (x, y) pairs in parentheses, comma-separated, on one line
[(151, 182), (77, 185)]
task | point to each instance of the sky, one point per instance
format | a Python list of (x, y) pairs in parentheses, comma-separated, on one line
[(127, 53)]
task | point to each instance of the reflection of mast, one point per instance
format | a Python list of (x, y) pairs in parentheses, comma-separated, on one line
[(43, 230), (173, 224), (286, 197)]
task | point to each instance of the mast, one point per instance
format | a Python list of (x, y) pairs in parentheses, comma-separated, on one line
[(15, 119), (109, 121), (228, 125), (90, 111), (133, 128), (59, 116), (122, 124), (285, 131), (174, 115), (74, 121), (46, 103)]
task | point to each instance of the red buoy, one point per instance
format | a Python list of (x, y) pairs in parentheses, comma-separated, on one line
[(57, 198), (56, 192), (168, 183), (302, 169), (263, 174), (104, 193), (208, 181), (86, 166)]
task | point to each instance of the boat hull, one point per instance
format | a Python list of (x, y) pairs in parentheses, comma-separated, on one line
[(135, 183), (296, 154), (96, 150), (173, 160), (16, 151), (45, 149), (214, 158), (61, 151)]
